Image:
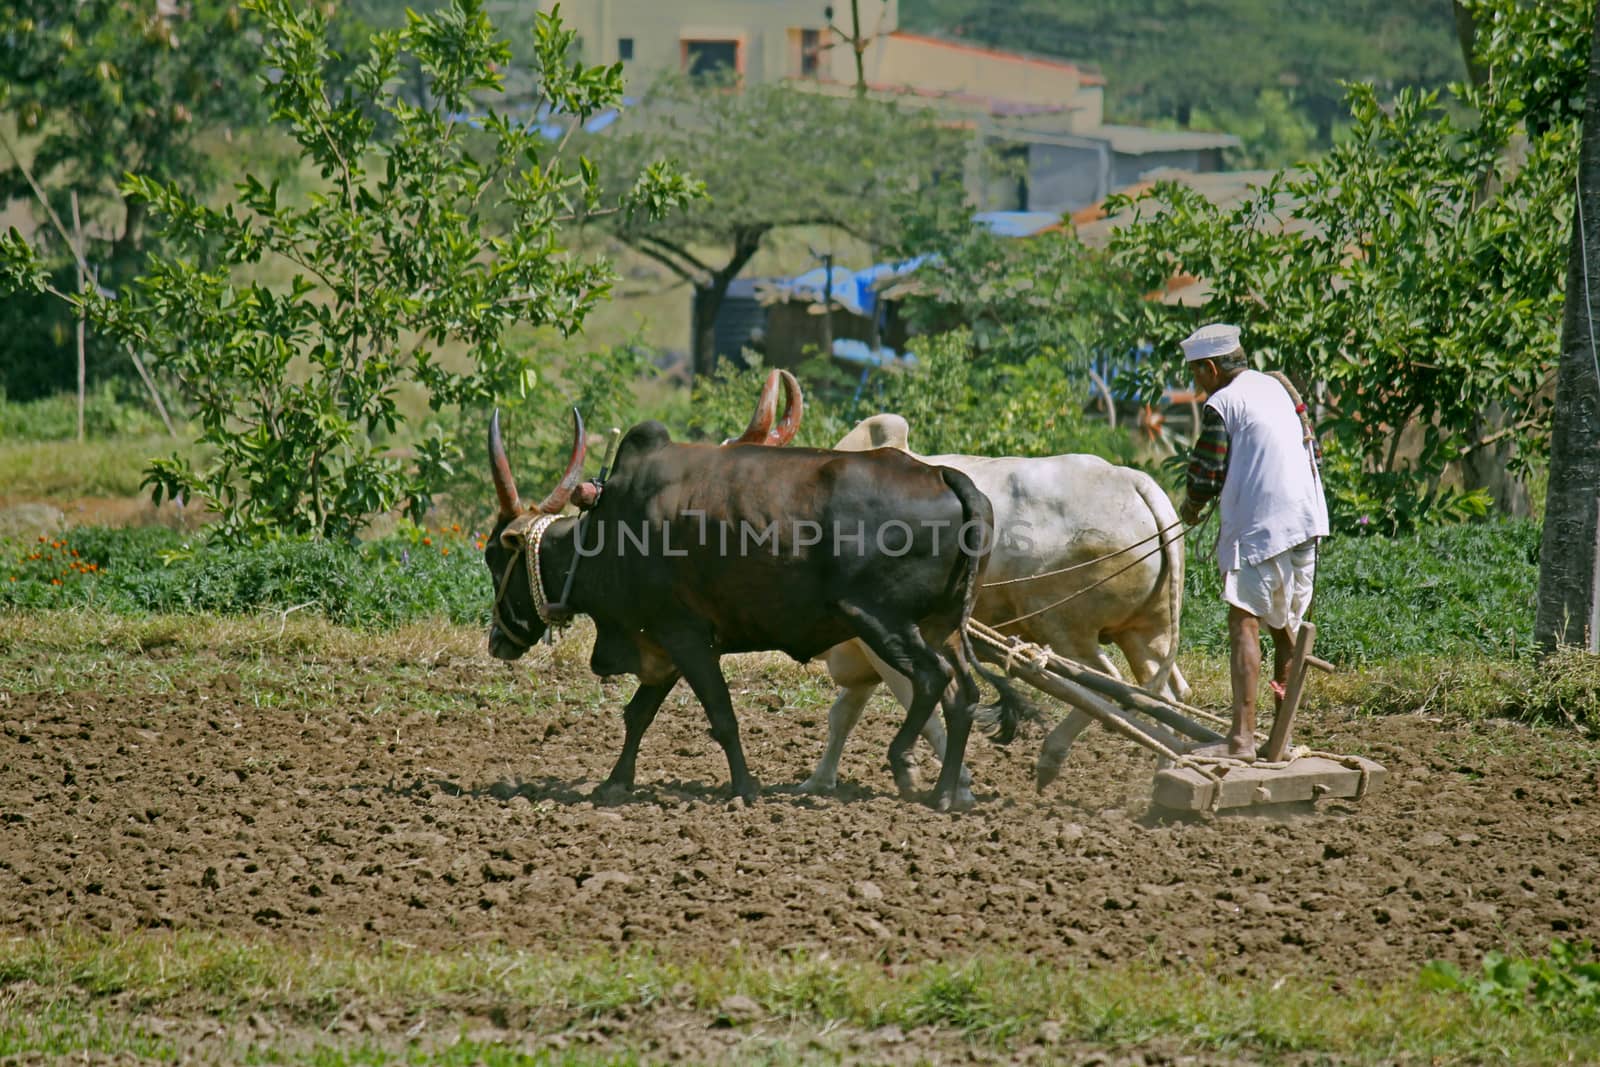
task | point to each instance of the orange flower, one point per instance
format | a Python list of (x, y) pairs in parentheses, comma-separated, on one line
[(427, 540), (444, 551), (55, 581)]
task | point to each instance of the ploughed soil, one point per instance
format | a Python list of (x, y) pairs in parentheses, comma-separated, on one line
[(196, 805)]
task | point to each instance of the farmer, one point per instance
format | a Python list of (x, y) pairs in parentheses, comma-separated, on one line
[(1257, 453)]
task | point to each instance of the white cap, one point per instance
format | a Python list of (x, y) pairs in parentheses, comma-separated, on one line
[(1209, 342)]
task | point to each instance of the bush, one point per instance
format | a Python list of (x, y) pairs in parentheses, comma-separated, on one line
[(1562, 987), (1446, 591), (955, 400), (55, 418), (417, 574)]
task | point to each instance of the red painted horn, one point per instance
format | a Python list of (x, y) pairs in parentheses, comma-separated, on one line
[(505, 486), (562, 493), (793, 407), (761, 421)]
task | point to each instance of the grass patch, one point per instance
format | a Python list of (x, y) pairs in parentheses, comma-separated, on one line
[(97, 985), (378, 584), (55, 418), (1449, 591), (65, 469)]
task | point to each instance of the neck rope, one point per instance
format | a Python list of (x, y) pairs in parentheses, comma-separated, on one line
[(541, 604)]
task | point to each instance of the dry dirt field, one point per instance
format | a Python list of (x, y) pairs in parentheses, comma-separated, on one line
[(310, 798)]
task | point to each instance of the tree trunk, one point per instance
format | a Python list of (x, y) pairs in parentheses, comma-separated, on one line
[(1569, 556), (1466, 35), (1489, 467), (708, 299), (703, 336)]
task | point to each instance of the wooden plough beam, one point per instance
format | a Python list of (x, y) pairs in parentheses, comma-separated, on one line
[(1170, 730)]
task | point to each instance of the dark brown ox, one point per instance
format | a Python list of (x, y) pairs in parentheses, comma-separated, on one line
[(693, 551)]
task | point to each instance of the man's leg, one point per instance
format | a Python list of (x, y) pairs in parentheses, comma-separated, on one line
[(1282, 653), (1244, 638)]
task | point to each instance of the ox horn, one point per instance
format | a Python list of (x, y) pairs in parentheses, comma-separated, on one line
[(761, 421), (505, 486), (793, 406), (562, 493)]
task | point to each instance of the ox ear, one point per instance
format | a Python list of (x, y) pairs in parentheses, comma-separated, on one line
[(761, 420), (515, 535), (505, 486), (794, 406)]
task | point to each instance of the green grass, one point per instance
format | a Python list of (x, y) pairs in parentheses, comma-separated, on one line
[(1450, 591), (75, 992), (69, 469)]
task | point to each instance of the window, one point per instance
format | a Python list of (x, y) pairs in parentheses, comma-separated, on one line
[(624, 48), (810, 45), (710, 58)]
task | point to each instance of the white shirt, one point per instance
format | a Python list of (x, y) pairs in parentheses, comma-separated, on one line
[(1272, 498)]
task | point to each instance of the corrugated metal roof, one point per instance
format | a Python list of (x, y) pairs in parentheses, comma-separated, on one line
[(1140, 140), (1017, 223)]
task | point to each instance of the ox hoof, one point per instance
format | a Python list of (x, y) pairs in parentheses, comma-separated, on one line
[(1045, 772), (817, 786), (747, 794), (609, 792), (961, 800)]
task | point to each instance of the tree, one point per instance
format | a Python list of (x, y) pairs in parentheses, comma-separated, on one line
[(1569, 558), (1047, 296), (1385, 278), (392, 257), (102, 88), (771, 157)]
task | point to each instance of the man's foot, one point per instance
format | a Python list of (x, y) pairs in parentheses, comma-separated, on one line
[(1223, 750)]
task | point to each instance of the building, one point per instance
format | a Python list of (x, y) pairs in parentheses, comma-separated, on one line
[(1043, 115)]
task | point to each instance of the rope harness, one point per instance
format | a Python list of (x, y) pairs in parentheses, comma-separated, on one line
[(541, 605)]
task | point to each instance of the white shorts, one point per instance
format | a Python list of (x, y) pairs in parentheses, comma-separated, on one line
[(1277, 590)]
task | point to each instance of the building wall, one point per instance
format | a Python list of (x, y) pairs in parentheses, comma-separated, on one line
[(933, 66), (1127, 169), (1065, 177), (767, 33)]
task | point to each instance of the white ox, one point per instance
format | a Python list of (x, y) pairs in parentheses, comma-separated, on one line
[(1051, 513)]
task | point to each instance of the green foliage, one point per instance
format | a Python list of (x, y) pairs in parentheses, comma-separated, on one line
[(1444, 591), (771, 157), (1274, 130), (1563, 986), (538, 428), (1412, 274), (55, 418), (98, 89), (1048, 297), (1390, 502), (152, 570), (954, 400), (294, 388)]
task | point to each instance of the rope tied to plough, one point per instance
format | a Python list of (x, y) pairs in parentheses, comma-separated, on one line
[(1187, 530), (1086, 563)]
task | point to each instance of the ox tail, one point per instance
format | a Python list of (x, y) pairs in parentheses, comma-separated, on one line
[(1001, 719), (1172, 555)]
